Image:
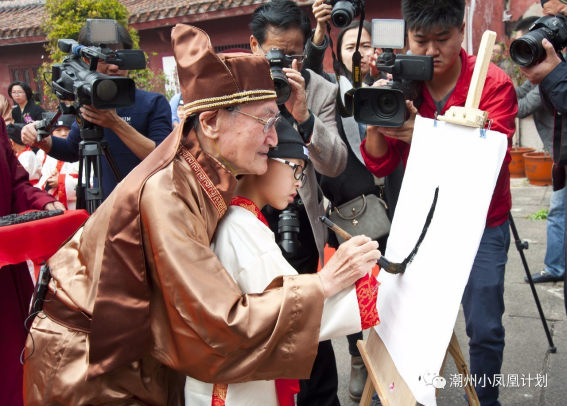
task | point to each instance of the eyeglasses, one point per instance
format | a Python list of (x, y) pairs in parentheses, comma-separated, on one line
[(16, 92), (298, 58), (268, 124), (298, 173)]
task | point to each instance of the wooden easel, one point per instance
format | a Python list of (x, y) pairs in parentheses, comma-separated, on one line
[(380, 376), (381, 368)]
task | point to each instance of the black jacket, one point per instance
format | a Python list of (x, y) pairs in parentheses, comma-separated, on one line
[(31, 109), (553, 91)]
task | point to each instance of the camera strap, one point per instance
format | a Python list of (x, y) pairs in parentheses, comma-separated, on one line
[(346, 109)]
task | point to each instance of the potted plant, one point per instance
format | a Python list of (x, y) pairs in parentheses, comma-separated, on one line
[(517, 165), (538, 167)]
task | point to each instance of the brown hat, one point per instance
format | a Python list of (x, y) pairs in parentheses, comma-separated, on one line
[(210, 81)]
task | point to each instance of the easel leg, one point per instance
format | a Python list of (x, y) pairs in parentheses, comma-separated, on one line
[(372, 383), (369, 390), (462, 368)]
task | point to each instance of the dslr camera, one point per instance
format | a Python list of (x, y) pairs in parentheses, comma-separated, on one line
[(278, 60), (344, 11), (528, 50), (386, 106)]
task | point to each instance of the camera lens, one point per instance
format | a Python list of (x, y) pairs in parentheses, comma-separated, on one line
[(528, 50), (106, 90), (342, 14), (281, 85), (288, 228), (387, 104)]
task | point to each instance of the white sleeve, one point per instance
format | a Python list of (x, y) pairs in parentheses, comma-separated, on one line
[(341, 315)]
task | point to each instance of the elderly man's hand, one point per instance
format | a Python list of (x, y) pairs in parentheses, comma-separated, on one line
[(297, 103), (54, 206), (538, 72), (354, 259)]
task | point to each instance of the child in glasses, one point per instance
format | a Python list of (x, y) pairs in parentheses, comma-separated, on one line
[(255, 260)]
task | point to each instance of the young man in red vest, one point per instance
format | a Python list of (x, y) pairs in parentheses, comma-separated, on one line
[(436, 28)]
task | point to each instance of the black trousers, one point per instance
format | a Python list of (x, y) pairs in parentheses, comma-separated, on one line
[(321, 389), (352, 340)]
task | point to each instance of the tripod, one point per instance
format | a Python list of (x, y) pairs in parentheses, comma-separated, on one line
[(91, 148), (521, 246)]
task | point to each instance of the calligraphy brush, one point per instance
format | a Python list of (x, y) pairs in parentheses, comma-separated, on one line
[(385, 264)]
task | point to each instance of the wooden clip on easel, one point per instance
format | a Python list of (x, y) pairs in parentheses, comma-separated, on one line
[(380, 365)]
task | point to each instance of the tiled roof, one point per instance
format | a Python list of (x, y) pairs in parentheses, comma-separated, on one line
[(23, 18), (150, 10)]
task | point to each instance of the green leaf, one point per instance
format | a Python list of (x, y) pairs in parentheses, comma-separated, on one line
[(539, 215)]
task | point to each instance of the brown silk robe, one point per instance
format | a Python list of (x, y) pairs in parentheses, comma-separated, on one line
[(199, 324)]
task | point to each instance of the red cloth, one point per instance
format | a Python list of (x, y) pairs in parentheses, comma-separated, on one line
[(367, 295), (498, 99), (38, 240), (16, 287), (286, 389)]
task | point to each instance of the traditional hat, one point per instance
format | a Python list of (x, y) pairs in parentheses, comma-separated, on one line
[(210, 81), (290, 143), (15, 133)]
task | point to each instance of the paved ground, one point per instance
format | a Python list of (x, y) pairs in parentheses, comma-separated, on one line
[(526, 344)]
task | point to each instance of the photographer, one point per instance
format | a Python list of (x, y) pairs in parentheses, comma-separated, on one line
[(436, 28), (551, 75), (530, 104), (132, 132), (310, 108)]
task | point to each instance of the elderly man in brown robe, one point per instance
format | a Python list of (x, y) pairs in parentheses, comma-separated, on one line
[(138, 298)]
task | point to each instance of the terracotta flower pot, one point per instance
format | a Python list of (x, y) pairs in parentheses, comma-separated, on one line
[(517, 166), (538, 168)]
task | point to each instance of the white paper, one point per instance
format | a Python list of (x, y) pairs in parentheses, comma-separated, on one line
[(418, 309)]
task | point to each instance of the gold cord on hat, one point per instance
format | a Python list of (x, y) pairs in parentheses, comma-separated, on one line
[(224, 160), (230, 100)]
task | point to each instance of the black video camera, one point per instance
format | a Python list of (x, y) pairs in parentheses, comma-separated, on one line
[(528, 50), (75, 80), (344, 11), (386, 106), (278, 60)]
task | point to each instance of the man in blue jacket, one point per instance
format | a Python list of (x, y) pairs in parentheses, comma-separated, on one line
[(132, 133), (551, 75)]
